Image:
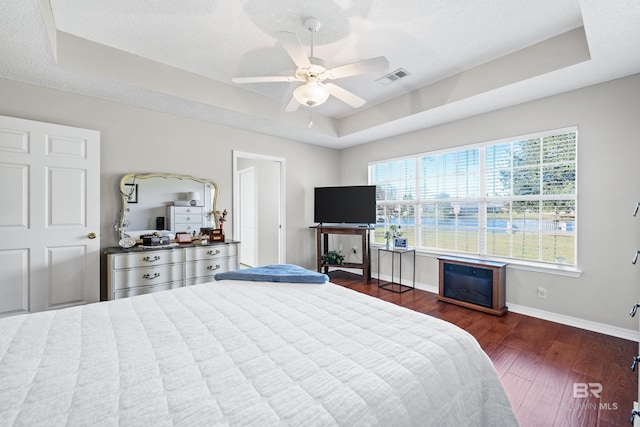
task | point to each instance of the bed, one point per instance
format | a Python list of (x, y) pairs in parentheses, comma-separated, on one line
[(242, 353)]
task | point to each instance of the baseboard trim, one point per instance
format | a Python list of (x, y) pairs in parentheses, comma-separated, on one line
[(614, 331)]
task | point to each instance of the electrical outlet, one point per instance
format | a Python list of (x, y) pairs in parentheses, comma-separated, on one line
[(542, 292)]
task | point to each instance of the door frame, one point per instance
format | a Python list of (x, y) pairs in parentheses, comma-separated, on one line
[(281, 203)]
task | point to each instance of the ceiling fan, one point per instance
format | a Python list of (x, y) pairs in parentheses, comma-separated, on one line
[(312, 72)]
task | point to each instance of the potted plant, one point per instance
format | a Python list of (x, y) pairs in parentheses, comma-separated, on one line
[(333, 258), (392, 232)]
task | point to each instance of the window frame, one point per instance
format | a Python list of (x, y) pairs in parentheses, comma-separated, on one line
[(483, 200)]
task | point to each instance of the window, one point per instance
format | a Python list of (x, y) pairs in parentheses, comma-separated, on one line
[(512, 198)]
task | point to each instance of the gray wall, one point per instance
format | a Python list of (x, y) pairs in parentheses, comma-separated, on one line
[(608, 120), (139, 140)]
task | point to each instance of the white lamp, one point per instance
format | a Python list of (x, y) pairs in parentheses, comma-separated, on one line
[(194, 197), (311, 93)]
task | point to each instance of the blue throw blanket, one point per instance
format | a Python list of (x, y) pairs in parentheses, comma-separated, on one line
[(275, 273)]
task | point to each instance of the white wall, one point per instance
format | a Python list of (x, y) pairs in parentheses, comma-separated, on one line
[(139, 140), (608, 120)]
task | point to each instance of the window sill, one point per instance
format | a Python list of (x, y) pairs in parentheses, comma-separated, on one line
[(555, 269)]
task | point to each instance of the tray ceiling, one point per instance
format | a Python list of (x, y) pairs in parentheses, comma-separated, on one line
[(463, 58)]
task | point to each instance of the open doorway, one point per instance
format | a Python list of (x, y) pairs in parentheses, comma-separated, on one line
[(258, 208)]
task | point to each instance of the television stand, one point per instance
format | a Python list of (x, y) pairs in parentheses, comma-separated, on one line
[(322, 247)]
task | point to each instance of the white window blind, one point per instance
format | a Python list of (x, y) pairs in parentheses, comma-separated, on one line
[(512, 199)]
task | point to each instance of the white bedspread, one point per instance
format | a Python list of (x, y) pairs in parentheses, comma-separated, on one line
[(245, 353)]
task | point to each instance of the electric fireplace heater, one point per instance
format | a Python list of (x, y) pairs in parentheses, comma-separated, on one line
[(473, 284)]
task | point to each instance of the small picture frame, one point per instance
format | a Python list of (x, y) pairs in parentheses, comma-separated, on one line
[(131, 193), (400, 243)]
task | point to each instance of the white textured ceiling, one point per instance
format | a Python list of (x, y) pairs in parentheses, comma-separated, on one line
[(464, 57)]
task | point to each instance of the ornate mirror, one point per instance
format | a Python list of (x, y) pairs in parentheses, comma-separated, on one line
[(153, 201)]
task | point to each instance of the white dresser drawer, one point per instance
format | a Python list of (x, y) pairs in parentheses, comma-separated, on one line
[(188, 227), (145, 259), (146, 290), (189, 219), (210, 267), (149, 276), (188, 210), (217, 250)]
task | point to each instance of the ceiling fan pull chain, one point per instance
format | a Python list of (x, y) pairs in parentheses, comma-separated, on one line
[(312, 34), (310, 116)]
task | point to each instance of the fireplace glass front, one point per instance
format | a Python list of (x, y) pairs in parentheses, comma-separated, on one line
[(470, 284)]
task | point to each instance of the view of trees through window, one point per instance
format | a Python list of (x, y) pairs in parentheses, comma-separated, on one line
[(505, 199)]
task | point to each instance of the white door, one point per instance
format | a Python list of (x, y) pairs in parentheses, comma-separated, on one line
[(50, 216), (269, 199), (248, 228)]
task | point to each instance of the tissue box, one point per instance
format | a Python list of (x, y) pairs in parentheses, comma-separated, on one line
[(183, 237)]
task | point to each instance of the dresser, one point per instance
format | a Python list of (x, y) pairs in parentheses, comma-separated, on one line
[(185, 219), (138, 271)]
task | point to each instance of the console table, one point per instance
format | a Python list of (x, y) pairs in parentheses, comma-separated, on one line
[(322, 247)]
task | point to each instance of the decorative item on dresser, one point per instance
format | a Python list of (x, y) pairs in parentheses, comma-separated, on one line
[(139, 271)]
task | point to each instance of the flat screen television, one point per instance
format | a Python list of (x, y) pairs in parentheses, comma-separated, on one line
[(350, 205)]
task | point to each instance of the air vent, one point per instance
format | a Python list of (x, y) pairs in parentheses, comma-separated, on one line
[(393, 76)]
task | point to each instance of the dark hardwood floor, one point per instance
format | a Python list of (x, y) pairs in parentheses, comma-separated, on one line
[(539, 362)]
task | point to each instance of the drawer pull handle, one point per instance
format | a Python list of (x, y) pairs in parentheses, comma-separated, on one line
[(188, 218), (216, 252), (149, 259), (213, 267), (150, 277)]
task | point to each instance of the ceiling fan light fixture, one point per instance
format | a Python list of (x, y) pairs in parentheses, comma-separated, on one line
[(311, 93)]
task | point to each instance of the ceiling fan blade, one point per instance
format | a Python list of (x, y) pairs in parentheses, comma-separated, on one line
[(292, 105), (345, 96), (265, 79), (361, 67), (292, 44)]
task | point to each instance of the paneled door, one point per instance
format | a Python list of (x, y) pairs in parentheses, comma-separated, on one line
[(50, 216)]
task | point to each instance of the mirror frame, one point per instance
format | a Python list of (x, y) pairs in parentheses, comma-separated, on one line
[(122, 221)]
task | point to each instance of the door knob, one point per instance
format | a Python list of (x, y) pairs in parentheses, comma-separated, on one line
[(91, 235)]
